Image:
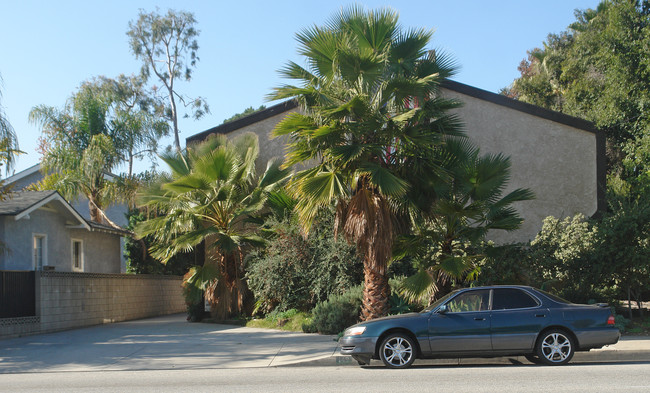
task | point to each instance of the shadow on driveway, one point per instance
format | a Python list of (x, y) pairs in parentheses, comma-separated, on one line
[(161, 343)]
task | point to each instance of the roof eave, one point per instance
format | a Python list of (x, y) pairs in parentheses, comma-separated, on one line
[(54, 197)]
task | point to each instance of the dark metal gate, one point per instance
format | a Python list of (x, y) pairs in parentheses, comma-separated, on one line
[(17, 294)]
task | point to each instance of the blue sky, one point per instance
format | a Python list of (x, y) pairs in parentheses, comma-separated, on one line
[(48, 48)]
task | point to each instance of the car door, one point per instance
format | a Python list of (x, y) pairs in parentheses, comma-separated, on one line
[(465, 324), (517, 317)]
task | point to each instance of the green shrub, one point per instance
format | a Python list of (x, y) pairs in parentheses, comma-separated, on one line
[(398, 303), (560, 260), (193, 300), (139, 261), (337, 312), (297, 272), (621, 322), (506, 265), (290, 320)]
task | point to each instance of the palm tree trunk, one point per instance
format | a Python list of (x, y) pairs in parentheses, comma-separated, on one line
[(229, 295), (376, 292), (368, 222), (93, 209)]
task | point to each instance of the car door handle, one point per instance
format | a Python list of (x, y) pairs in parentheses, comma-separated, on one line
[(540, 315), (479, 319)]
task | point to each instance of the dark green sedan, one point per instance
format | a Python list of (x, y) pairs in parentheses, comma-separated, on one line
[(484, 322)]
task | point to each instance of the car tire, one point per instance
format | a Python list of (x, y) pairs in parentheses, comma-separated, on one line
[(555, 347), (398, 351)]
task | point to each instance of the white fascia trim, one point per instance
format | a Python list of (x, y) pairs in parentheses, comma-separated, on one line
[(49, 199), (22, 174)]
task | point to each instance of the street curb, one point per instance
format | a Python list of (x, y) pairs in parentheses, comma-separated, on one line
[(597, 356)]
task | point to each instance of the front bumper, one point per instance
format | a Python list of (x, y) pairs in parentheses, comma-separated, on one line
[(358, 345)]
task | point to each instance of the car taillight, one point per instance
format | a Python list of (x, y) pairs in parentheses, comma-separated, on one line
[(611, 320)]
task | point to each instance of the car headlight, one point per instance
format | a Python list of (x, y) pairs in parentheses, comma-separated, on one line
[(355, 331)]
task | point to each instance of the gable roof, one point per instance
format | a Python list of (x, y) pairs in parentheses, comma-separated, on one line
[(37, 168), (21, 204), (22, 174), (458, 87)]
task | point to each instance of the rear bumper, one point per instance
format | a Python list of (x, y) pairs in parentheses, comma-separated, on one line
[(597, 338), (358, 345)]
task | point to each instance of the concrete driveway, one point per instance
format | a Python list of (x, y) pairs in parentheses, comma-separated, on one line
[(162, 343)]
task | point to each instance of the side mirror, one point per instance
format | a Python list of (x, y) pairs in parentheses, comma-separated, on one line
[(442, 309)]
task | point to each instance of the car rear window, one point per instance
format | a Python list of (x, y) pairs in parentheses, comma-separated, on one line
[(511, 298), (554, 297)]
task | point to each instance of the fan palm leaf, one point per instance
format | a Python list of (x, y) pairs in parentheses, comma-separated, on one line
[(209, 196), (368, 144)]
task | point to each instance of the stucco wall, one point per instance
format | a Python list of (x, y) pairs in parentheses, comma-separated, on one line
[(557, 162), (73, 300), (101, 251), (269, 147)]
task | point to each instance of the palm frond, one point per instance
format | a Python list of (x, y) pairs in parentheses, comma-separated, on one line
[(294, 123), (388, 183), (274, 176), (418, 287)]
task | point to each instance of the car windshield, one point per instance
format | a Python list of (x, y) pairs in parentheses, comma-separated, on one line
[(554, 298), (439, 301)]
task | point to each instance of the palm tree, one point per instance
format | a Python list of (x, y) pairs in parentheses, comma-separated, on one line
[(8, 143), (101, 126), (89, 175), (371, 121), (210, 195), (467, 207)]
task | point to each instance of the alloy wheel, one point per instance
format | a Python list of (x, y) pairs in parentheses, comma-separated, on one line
[(397, 351), (555, 348)]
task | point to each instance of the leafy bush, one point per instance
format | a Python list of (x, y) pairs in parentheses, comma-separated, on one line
[(337, 312), (290, 320), (193, 296), (621, 322), (139, 261), (398, 303), (561, 259), (297, 272), (507, 265)]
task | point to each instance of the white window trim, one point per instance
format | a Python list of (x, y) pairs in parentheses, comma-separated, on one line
[(44, 237), (81, 257)]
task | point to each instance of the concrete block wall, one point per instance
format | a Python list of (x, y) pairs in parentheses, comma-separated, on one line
[(72, 300), (21, 326)]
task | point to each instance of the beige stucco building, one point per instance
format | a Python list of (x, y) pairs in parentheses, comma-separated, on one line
[(559, 157)]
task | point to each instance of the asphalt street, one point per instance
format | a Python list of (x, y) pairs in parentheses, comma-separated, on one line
[(605, 377)]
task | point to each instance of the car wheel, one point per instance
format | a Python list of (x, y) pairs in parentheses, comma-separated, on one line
[(397, 351), (555, 347)]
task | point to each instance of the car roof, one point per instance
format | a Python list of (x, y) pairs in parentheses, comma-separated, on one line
[(497, 286)]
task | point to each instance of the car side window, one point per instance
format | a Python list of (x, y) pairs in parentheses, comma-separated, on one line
[(512, 298), (478, 300)]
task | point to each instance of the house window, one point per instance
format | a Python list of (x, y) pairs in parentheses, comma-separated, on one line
[(39, 247), (77, 255)]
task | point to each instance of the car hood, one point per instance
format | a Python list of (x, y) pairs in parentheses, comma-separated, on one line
[(390, 317)]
